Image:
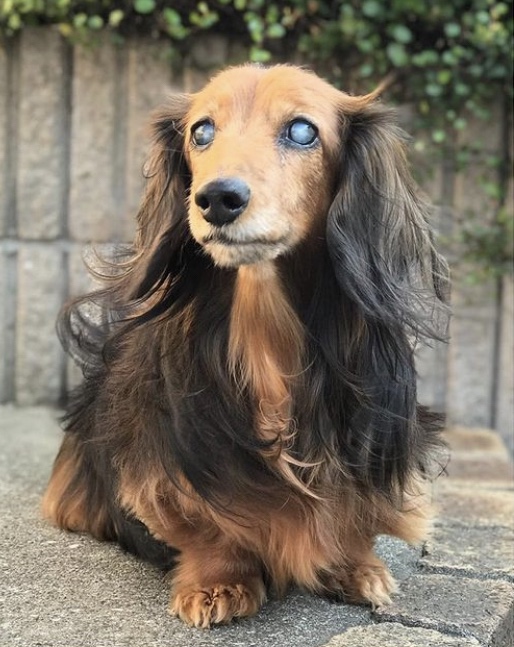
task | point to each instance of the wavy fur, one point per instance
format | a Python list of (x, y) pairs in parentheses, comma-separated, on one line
[(256, 421)]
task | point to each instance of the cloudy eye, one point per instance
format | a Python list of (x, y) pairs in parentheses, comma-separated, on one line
[(203, 133), (302, 132)]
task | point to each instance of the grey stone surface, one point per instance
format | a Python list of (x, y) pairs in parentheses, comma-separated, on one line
[(474, 439), (472, 608), (39, 359), (432, 369), (471, 354), (7, 323), (505, 395), (474, 505), (392, 634), (477, 551), (149, 81), (93, 211), (42, 135), (478, 453), (210, 52)]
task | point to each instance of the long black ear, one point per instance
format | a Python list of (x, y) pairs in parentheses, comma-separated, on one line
[(158, 254), (378, 235), (392, 281)]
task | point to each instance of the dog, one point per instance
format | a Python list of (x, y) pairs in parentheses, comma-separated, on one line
[(248, 414)]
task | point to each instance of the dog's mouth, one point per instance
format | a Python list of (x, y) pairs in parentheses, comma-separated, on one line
[(222, 239), (231, 251)]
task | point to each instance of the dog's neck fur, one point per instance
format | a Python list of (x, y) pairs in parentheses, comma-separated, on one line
[(266, 356), (265, 345)]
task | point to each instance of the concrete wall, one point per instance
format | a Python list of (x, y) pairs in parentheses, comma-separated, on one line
[(72, 146)]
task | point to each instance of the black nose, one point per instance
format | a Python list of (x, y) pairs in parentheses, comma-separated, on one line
[(222, 201)]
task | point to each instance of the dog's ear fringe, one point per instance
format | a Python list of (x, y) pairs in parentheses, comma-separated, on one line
[(394, 285), (378, 231), (134, 274)]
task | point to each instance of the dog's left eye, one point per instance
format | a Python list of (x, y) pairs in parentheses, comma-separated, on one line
[(203, 133), (302, 132)]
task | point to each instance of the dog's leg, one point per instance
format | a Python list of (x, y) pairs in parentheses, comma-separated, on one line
[(214, 584), (362, 576), (75, 498)]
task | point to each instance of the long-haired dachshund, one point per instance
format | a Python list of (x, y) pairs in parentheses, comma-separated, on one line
[(248, 412)]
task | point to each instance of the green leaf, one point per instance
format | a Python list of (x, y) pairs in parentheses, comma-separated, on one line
[(174, 24), (401, 34), (397, 54), (444, 77), (79, 20), (95, 22), (452, 29), (366, 70), (461, 89), (259, 55), (144, 6), (275, 31), (115, 17), (449, 58), (366, 46), (482, 17), (438, 136), (433, 89), (372, 8), (425, 58), (172, 17)]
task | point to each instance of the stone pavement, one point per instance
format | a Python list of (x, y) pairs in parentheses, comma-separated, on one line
[(58, 589)]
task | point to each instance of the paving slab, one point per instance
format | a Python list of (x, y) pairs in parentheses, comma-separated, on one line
[(475, 505), (485, 552), (474, 439), (480, 609), (392, 634)]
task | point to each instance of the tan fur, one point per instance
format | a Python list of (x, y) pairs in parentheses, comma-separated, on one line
[(286, 197), (265, 355), (64, 501)]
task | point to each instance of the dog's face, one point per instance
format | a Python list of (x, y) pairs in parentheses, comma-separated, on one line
[(260, 144)]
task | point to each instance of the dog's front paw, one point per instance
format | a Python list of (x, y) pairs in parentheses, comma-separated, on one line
[(373, 583), (217, 604), (366, 582)]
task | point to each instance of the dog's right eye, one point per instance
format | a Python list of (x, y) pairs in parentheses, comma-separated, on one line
[(202, 133)]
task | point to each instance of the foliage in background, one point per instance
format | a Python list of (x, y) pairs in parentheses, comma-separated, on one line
[(451, 59)]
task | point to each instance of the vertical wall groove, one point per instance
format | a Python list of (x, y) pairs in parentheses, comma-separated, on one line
[(11, 151), (120, 115), (9, 252), (504, 179), (65, 127), (10, 281), (66, 134)]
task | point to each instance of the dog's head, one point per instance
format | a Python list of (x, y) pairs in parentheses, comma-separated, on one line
[(261, 145)]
